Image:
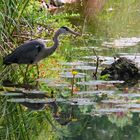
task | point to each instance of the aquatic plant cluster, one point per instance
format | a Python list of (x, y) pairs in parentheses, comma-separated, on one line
[(73, 96)]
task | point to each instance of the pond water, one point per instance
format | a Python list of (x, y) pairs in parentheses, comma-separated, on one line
[(81, 105)]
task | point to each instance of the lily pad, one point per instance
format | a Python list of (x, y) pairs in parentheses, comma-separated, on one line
[(101, 58), (20, 100), (95, 92), (111, 110), (132, 105), (58, 83), (86, 48), (109, 62), (99, 82), (113, 101), (73, 63), (11, 94), (70, 75), (85, 68), (129, 95), (80, 101)]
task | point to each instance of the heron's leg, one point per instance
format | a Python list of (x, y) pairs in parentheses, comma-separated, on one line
[(21, 70), (37, 74), (37, 70), (25, 76)]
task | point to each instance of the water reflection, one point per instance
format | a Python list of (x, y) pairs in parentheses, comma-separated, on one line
[(85, 115), (26, 98)]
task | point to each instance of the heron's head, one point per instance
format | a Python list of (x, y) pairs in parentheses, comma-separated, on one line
[(65, 30)]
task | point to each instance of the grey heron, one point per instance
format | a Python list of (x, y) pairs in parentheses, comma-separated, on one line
[(33, 51)]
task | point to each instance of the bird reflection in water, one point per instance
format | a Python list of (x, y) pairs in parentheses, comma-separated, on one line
[(37, 101)]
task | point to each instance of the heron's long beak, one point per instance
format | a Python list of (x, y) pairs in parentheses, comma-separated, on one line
[(75, 33)]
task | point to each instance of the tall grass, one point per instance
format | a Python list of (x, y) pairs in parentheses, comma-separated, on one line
[(10, 18)]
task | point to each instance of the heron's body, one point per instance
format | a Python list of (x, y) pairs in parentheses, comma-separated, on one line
[(30, 52), (27, 53), (33, 51)]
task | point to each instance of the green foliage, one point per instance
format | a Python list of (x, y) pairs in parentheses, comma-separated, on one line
[(21, 20), (10, 15), (105, 77)]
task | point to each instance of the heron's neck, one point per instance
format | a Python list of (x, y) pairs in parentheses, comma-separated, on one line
[(55, 39), (52, 49)]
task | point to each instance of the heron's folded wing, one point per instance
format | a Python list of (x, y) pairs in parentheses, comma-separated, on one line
[(26, 53)]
